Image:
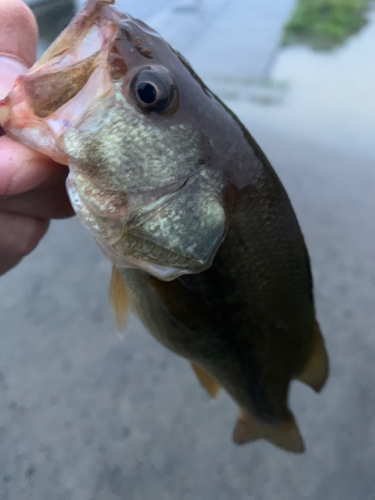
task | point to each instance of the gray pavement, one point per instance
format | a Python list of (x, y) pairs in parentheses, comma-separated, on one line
[(85, 415), (238, 37)]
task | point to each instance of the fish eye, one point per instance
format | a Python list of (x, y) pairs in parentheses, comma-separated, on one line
[(154, 90)]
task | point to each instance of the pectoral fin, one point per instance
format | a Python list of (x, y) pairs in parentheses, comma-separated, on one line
[(119, 298), (315, 371), (183, 305), (207, 381), (286, 435)]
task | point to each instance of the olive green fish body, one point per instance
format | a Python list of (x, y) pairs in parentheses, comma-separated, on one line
[(186, 207)]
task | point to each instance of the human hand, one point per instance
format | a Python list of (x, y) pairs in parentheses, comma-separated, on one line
[(32, 187)]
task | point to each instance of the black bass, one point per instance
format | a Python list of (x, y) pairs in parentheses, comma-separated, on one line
[(205, 244)]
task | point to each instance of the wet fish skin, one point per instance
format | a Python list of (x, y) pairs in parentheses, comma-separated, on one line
[(184, 203)]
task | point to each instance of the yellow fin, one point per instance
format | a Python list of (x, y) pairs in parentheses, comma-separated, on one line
[(119, 298), (315, 371), (207, 381), (286, 435)]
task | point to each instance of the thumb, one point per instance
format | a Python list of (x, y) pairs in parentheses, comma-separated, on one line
[(18, 42)]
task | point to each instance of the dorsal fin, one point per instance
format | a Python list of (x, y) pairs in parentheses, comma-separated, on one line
[(207, 381), (119, 298), (315, 371)]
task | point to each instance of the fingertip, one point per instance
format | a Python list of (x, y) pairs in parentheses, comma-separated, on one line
[(18, 32)]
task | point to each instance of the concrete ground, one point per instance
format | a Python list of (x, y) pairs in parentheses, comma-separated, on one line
[(86, 415)]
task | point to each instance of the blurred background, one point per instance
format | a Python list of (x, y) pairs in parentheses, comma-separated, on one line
[(86, 415)]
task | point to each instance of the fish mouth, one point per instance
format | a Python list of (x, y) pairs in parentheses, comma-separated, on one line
[(91, 32), (70, 62), (70, 77), (83, 66)]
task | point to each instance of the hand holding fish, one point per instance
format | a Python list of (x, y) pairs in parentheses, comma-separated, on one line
[(31, 185)]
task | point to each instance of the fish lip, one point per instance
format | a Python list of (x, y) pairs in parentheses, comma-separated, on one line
[(4, 111)]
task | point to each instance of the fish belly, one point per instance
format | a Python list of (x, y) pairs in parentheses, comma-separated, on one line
[(184, 324)]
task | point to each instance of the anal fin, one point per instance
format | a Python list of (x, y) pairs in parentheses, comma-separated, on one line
[(206, 380), (285, 435), (119, 298), (315, 371)]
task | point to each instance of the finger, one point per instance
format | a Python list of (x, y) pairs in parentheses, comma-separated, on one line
[(48, 203), (9, 69), (18, 41), (18, 31), (20, 234), (23, 169)]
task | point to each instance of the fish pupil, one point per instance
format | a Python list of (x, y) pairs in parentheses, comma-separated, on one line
[(147, 92)]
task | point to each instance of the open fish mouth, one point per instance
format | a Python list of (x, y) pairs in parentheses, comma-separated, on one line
[(71, 76)]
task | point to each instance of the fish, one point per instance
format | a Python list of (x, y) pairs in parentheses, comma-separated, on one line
[(205, 245)]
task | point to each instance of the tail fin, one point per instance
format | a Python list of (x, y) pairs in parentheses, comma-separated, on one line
[(286, 435), (315, 371)]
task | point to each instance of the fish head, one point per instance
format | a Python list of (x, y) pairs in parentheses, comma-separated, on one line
[(116, 103)]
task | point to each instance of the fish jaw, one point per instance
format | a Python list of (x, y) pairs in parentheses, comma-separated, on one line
[(20, 124), (56, 92)]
